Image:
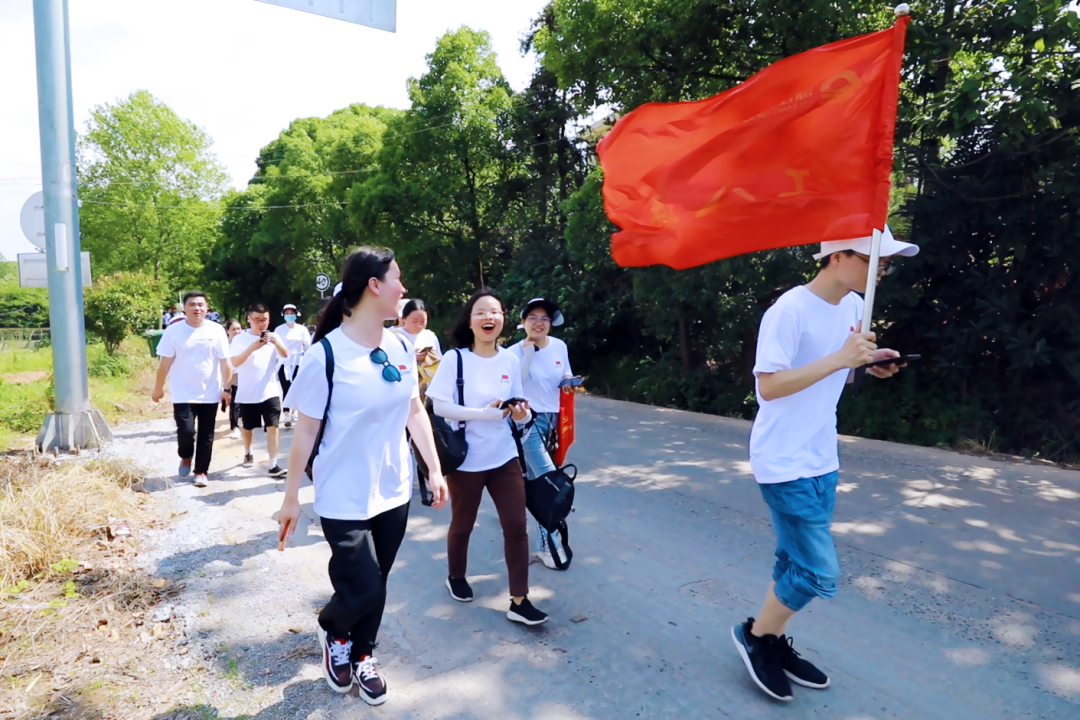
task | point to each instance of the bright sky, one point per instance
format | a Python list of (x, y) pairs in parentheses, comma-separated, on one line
[(240, 69)]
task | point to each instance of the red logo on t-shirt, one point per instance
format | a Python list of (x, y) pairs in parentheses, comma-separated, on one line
[(852, 328), (505, 377), (558, 362), (403, 367)]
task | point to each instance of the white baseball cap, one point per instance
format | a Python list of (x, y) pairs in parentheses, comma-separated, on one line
[(337, 288), (889, 246), (288, 307)]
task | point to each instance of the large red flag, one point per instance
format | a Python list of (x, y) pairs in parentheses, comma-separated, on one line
[(799, 153)]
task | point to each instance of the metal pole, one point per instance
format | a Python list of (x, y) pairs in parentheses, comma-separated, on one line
[(871, 281), (66, 429)]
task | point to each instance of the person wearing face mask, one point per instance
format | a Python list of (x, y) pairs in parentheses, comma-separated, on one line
[(297, 340), (491, 376), (544, 365), (363, 470)]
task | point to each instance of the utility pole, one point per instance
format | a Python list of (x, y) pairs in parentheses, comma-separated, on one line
[(74, 424)]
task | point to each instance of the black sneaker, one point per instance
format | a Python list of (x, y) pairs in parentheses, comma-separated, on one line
[(277, 471), (249, 460), (525, 613), (800, 671), (762, 656), (372, 686), (337, 662), (459, 589)]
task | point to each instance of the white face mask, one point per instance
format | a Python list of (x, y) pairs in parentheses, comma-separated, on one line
[(290, 318)]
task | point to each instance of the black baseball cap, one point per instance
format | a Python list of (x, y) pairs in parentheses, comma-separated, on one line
[(550, 308)]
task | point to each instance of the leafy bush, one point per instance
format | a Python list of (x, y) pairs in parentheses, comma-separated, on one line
[(120, 304), (23, 307), (105, 364)]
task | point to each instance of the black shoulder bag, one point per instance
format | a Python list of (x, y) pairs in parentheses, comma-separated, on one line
[(329, 351), (449, 440), (550, 497)]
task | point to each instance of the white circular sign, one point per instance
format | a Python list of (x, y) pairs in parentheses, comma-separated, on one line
[(322, 281), (32, 219)]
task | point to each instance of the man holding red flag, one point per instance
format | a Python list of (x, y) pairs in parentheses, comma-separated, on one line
[(808, 345)]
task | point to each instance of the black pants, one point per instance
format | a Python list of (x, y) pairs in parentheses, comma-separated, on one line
[(286, 378), (191, 443), (234, 409), (363, 552)]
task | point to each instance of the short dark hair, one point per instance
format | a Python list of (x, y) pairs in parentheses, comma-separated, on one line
[(411, 307), (258, 308), (195, 294), (824, 263), (462, 333)]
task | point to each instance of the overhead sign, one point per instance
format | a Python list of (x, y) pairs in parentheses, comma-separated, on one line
[(34, 272), (378, 14), (32, 219), (322, 282)]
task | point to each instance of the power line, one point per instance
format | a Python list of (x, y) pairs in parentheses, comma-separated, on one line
[(212, 207)]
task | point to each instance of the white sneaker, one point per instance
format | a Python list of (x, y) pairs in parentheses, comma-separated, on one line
[(235, 434)]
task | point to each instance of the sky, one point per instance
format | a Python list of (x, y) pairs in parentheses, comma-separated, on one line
[(240, 69)]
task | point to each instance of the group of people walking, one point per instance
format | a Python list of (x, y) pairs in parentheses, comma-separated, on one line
[(356, 386), (245, 371)]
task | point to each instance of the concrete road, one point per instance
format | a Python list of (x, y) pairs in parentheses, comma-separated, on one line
[(961, 596)]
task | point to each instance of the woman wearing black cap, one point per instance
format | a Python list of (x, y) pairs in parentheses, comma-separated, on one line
[(544, 365)]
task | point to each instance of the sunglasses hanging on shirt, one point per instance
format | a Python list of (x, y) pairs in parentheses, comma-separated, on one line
[(389, 372)]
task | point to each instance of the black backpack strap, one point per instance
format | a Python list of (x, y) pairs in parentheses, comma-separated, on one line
[(564, 539), (519, 435), (328, 350), (460, 384)]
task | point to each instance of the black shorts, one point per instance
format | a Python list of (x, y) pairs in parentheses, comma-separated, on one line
[(264, 414)]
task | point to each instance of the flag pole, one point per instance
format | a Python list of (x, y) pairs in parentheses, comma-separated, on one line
[(868, 303), (871, 280)]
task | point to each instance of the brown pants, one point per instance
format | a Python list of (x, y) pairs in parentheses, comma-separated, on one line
[(506, 485)]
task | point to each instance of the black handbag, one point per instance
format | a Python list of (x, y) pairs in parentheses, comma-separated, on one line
[(549, 498), (450, 441)]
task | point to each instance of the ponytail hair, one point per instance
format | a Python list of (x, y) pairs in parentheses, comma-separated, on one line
[(462, 333), (360, 267)]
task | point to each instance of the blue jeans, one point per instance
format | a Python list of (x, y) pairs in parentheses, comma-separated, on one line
[(538, 462), (806, 563)]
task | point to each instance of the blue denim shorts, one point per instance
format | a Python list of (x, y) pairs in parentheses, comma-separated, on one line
[(806, 563)]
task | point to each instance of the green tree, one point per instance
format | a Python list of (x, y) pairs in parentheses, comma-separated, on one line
[(447, 176), (121, 304), (149, 185)]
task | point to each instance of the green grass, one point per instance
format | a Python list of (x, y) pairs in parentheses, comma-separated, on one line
[(117, 387)]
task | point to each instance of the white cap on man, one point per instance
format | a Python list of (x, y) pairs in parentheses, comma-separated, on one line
[(889, 246)]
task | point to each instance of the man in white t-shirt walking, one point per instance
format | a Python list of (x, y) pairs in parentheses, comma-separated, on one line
[(807, 347), (195, 357), (297, 340), (256, 353)]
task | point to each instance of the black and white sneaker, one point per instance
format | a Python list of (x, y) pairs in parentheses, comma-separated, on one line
[(337, 662), (249, 460), (763, 658), (525, 613), (277, 471), (799, 670), (459, 589), (371, 684)]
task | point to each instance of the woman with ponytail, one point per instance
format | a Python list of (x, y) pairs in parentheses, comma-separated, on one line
[(363, 471)]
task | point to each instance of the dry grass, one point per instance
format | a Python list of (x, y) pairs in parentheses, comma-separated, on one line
[(78, 637), (48, 510)]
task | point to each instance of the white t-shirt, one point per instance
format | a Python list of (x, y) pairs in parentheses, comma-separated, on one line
[(424, 338), (364, 466), (195, 375), (297, 340), (257, 376), (795, 436), (491, 444), (549, 366)]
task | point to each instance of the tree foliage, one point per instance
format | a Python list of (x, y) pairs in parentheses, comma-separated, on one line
[(121, 304), (149, 185)]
